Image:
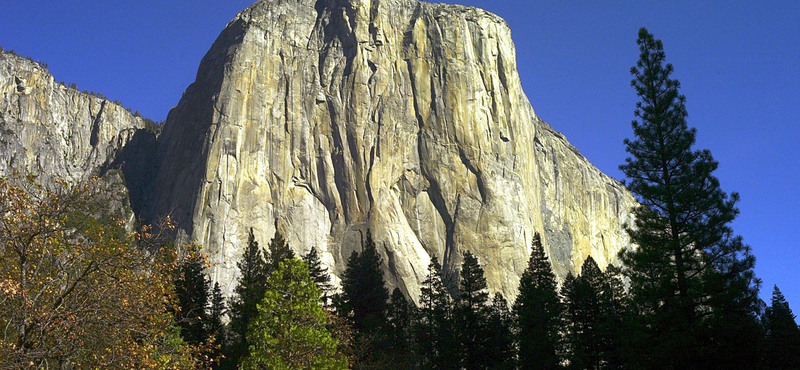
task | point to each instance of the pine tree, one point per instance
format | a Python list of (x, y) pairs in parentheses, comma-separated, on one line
[(289, 330), (319, 274), (595, 309), (248, 293), (216, 326), (568, 335), (279, 251), (500, 354), (363, 302), (782, 334), (191, 288), (538, 311), (364, 289), (434, 331), (398, 317), (614, 312), (689, 270), (584, 317), (472, 314)]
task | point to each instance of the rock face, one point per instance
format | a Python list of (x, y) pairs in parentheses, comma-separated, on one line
[(324, 118), (56, 131)]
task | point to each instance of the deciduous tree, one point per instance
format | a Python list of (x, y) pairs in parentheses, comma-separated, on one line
[(75, 289)]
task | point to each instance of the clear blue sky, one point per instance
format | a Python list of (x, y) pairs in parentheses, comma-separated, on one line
[(738, 62)]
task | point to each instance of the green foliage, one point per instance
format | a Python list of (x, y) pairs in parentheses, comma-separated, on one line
[(690, 278), (614, 310), (279, 251), (289, 330), (319, 274), (596, 306), (435, 337), (782, 334), (364, 295), (584, 317), (538, 312), (363, 304), (398, 327), (216, 325), (473, 291), (248, 293), (472, 313), (499, 336), (192, 288)]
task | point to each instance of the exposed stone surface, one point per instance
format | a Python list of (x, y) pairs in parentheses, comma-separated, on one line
[(322, 118), (55, 131)]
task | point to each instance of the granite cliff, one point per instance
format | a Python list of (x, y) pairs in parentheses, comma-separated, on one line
[(56, 131), (324, 118)]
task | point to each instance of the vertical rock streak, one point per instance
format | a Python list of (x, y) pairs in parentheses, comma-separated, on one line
[(321, 118), (401, 116)]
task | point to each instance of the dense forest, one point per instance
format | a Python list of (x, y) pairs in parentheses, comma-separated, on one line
[(78, 290)]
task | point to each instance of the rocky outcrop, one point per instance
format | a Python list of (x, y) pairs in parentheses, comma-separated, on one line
[(58, 132), (322, 118)]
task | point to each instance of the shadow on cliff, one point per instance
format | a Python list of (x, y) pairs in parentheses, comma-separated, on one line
[(137, 161)]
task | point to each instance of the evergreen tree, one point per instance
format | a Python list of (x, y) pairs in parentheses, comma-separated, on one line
[(216, 326), (500, 354), (248, 293), (279, 251), (595, 309), (584, 317), (364, 292), (191, 288), (319, 274), (538, 312), (289, 329), (782, 334), (398, 316), (363, 302), (568, 339), (472, 314), (614, 311), (689, 272), (434, 330)]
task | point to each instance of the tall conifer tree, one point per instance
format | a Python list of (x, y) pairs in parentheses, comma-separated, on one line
[(192, 288), (472, 314), (289, 331), (279, 251), (689, 272), (249, 292), (364, 294), (399, 335), (363, 303), (782, 334), (584, 317), (500, 354), (216, 325), (433, 327), (319, 274), (538, 311), (614, 312)]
